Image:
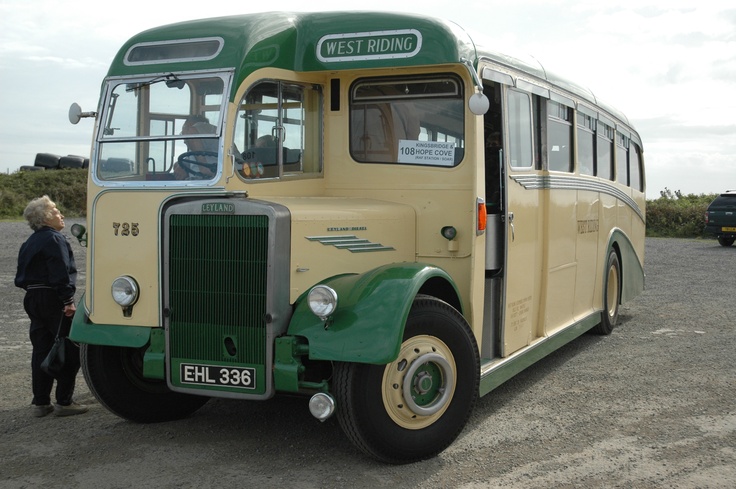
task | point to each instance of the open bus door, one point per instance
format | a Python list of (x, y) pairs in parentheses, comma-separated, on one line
[(522, 216)]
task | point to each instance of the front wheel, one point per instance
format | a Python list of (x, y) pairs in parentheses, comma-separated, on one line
[(115, 376), (611, 295), (414, 407)]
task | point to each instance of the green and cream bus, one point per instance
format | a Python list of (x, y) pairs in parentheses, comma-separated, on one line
[(368, 209)]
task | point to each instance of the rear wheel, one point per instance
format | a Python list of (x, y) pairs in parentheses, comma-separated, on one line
[(611, 295), (414, 407), (115, 376), (726, 241)]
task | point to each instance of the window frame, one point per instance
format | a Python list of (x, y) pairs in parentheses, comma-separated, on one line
[(561, 116), (253, 160), (390, 107)]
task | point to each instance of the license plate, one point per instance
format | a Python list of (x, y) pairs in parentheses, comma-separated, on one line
[(728, 230), (218, 375)]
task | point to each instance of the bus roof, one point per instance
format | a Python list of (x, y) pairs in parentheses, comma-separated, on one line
[(320, 41), (289, 40)]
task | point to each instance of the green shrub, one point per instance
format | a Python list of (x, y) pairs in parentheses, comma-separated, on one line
[(675, 215), (68, 188)]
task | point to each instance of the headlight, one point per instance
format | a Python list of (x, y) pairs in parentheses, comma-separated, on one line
[(80, 232), (322, 301), (125, 291)]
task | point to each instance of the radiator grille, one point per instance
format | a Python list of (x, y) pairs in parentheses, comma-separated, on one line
[(217, 288)]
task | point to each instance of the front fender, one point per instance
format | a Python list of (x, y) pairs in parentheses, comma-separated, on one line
[(372, 308), (85, 331)]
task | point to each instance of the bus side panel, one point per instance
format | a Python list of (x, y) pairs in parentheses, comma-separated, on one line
[(587, 255), (561, 261)]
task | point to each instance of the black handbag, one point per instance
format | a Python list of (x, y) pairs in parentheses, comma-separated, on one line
[(59, 358), (56, 360)]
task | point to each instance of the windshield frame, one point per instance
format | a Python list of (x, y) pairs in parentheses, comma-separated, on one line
[(103, 137)]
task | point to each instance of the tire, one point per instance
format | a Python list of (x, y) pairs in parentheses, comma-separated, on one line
[(398, 422), (114, 375), (611, 295), (726, 241)]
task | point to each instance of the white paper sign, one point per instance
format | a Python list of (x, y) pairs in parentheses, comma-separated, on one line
[(426, 152)]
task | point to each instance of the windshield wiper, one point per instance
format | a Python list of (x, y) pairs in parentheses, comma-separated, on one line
[(172, 81)]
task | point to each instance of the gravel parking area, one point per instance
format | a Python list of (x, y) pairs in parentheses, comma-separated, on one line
[(652, 405)]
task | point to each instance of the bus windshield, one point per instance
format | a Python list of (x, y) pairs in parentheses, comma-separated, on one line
[(161, 128)]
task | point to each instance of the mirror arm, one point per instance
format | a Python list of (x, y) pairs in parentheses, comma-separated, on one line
[(469, 65)]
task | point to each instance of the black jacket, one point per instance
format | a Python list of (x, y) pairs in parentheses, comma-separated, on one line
[(46, 260)]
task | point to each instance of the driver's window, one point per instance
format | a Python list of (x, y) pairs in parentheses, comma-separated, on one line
[(278, 131)]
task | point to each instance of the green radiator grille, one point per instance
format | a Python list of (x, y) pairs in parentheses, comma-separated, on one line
[(217, 288)]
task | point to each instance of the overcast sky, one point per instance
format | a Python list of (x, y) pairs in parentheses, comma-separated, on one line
[(669, 66)]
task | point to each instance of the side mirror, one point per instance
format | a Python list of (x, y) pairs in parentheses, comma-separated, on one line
[(478, 103), (76, 114)]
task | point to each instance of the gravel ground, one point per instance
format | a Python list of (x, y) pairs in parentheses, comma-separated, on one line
[(650, 406)]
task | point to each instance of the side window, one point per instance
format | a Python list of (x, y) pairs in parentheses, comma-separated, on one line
[(604, 150), (278, 131), (586, 137), (520, 130), (414, 121), (559, 128), (635, 178), (622, 159)]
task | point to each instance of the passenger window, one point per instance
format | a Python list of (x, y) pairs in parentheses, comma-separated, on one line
[(586, 135), (415, 121), (604, 151), (622, 159), (635, 180), (278, 131), (559, 127), (520, 130)]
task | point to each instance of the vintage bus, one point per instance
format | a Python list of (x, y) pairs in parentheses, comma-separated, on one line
[(368, 209)]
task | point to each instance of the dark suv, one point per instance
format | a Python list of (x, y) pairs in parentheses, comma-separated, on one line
[(720, 218)]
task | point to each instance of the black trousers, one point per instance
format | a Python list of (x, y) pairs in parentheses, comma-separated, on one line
[(46, 313)]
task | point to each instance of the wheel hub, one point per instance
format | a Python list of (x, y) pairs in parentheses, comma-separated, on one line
[(428, 384), (419, 385)]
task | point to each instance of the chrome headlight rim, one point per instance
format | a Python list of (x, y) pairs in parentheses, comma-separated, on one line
[(322, 301), (125, 291)]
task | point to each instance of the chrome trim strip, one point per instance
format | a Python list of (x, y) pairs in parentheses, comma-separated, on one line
[(351, 243), (541, 182)]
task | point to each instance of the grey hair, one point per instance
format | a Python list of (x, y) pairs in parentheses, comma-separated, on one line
[(38, 211)]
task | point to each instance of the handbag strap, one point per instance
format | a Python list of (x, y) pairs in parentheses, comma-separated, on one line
[(58, 329)]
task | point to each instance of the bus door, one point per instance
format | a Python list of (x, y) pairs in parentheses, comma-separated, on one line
[(523, 225)]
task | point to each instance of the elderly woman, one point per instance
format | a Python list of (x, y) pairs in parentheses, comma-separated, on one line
[(47, 272)]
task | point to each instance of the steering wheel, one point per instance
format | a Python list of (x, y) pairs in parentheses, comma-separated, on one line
[(188, 160)]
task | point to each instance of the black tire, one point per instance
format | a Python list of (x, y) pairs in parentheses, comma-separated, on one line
[(439, 351), (726, 241), (114, 375), (611, 295)]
